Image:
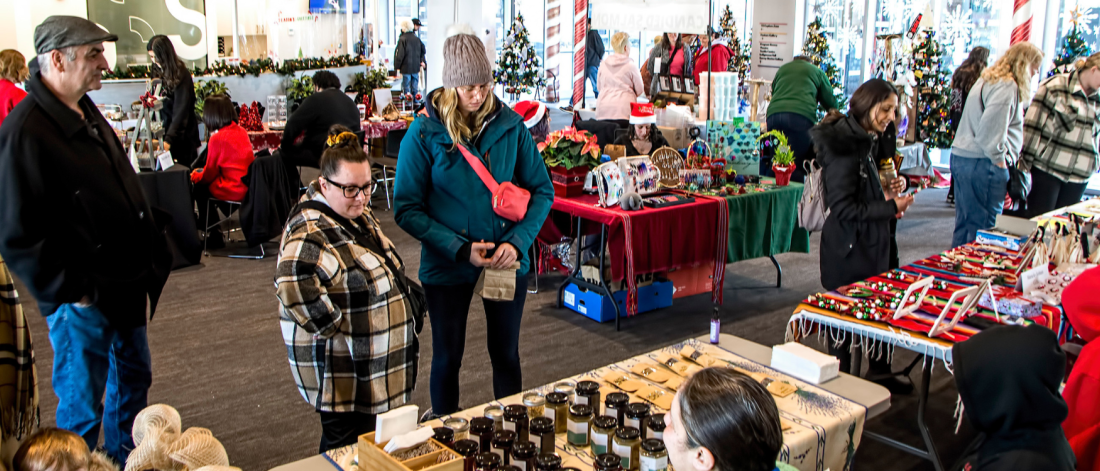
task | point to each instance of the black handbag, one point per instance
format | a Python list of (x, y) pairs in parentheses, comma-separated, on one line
[(417, 301), (1019, 180)]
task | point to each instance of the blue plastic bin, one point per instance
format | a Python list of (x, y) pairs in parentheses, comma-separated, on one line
[(597, 307)]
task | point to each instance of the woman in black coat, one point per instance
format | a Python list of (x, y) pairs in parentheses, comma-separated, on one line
[(181, 125), (857, 241)]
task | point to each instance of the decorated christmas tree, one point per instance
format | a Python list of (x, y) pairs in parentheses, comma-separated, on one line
[(518, 69), (1073, 47), (817, 49), (739, 57), (933, 93)]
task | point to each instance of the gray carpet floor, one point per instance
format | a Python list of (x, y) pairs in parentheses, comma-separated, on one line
[(218, 355)]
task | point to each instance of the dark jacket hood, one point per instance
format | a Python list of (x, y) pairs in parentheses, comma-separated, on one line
[(1008, 378), (845, 137), (501, 119)]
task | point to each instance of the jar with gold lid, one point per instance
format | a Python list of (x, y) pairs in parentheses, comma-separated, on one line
[(557, 409), (627, 444), (577, 430)]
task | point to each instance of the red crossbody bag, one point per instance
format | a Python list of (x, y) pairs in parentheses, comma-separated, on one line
[(509, 201)]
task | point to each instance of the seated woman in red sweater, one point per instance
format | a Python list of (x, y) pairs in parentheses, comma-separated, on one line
[(228, 155), (1082, 425)]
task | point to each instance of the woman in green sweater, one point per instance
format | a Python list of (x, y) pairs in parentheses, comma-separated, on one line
[(798, 88)]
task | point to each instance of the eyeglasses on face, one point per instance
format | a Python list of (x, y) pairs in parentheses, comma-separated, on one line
[(351, 191)]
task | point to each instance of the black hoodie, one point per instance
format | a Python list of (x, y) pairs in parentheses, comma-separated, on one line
[(1008, 378)]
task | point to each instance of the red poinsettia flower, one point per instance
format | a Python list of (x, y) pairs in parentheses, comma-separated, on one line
[(578, 137), (590, 146), (541, 146)]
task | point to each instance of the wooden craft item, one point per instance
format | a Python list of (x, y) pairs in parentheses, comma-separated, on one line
[(669, 163), (623, 382), (371, 456), (699, 357), (906, 308), (657, 397), (650, 372), (681, 368), (970, 297)]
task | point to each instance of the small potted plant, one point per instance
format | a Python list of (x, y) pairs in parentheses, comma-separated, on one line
[(783, 161), (569, 154)]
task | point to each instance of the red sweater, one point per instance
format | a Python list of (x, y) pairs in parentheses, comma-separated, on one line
[(721, 60), (10, 95), (227, 159), (1082, 392)]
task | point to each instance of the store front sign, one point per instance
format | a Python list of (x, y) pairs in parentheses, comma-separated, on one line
[(677, 16)]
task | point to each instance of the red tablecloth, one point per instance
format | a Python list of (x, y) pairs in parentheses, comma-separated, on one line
[(269, 138), (266, 139), (655, 240), (379, 130)]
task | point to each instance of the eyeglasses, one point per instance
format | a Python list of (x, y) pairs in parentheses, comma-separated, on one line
[(351, 191)]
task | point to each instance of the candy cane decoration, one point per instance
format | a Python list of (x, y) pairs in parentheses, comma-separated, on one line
[(1021, 21)]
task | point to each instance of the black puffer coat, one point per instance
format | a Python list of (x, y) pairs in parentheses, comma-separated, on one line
[(856, 242)]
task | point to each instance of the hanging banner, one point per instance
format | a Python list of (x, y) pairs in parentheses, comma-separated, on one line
[(669, 16), (580, 34), (773, 36)]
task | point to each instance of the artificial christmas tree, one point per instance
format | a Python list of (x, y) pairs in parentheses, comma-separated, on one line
[(518, 69), (739, 57), (933, 93), (1073, 47), (817, 49)]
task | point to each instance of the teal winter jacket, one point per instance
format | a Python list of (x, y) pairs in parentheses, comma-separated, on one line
[(439, 200)]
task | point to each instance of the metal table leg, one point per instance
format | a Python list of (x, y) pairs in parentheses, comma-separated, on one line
[(930, 453), (575, 278), (778, 272)]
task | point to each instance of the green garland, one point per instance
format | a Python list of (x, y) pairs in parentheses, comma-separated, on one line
[(253, 67)]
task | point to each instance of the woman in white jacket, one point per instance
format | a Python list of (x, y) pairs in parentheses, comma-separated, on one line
[(619, 81)]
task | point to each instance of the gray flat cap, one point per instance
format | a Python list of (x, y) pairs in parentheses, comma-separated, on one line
[(64, 31)]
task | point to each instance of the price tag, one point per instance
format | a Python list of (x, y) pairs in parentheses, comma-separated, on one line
[(164, 161)]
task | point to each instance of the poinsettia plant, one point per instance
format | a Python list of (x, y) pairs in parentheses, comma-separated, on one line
[(570, 148)]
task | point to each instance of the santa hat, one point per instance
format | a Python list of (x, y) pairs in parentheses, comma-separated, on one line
[(531, 111), (641, 112)]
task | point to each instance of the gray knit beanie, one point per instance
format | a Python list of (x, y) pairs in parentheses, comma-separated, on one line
[(465, 62)]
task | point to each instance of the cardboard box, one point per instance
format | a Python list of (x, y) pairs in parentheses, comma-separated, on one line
[(1009, 232), (678, 138), (804, 363), (691, 281)]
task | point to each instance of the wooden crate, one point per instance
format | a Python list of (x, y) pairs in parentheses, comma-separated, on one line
[(372, 457)]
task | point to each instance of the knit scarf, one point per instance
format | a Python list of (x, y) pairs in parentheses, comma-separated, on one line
[(18, 378)]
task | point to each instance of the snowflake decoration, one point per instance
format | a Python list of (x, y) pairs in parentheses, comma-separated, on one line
[(1082, 16), (832, 11), (957, 25), (983, 4), (898, 12), (846, 37)]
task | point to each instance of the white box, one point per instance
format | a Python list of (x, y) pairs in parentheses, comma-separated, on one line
[(395, 423), (804, 363)]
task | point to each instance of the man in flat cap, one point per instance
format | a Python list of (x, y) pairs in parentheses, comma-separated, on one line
[(76, 228)]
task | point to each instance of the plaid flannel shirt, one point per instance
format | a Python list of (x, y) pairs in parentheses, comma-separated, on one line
[(348, 336), (1061, 130)]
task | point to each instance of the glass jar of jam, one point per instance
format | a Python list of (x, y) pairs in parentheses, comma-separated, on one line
[(557, 409), (542, 434), (497, 414), (460, 426), (523, 455), (481, 430), (580, 417), (487, 462), (615, 406), (627, 444), (636, 412), (588, 394), (516, 420), (467, 449), (444, 435), (536, 404), (603, 427), (654, 456), (655, 427), (503, 441), (547, 462), (608, 462)]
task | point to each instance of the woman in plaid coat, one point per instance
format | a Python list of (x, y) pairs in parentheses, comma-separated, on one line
[(348, 330), (1060, 137)]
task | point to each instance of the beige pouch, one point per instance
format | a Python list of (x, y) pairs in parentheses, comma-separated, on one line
[(681, 368), (623, 382), (649, 372), (657, 397), (497, 285), (699, 357)]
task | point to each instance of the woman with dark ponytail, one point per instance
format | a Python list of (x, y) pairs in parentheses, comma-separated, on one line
[(181, 125)]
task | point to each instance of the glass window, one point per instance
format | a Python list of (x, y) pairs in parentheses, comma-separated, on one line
[(843, 22)]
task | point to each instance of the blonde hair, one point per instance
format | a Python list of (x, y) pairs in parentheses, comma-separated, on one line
[(446, 104), (620, 41), (406, 26), (1081, 64), (13, 66), (1013, 65), (52, 449)]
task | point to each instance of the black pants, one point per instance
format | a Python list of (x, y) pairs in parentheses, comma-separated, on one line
[(185, 154), (201, 194), (797, 129), (448, 308), (1048, 193), (340, 429)]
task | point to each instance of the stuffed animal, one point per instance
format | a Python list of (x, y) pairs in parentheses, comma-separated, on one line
[(631, 202)]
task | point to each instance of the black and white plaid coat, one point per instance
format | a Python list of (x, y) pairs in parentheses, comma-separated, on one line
[(348, 335)]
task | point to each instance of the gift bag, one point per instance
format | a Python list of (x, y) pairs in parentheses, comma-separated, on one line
[(497, 285), (736, 142)]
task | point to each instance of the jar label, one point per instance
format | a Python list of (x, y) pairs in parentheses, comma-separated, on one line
[(551, 414), (599, 443), (581, 400), (499, 452), (623, 452), (509, 426), (653, 464), (577, 433), (632, 423), (521, 464)]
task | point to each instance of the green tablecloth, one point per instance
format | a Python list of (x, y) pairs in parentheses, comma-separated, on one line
[(765, 223)]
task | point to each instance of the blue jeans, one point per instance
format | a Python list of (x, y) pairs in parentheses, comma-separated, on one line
[(980, 189), (410, 83), (592, 73), (90, 358)]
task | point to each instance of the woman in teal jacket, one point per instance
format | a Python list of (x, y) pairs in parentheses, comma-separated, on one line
[(439, 200)]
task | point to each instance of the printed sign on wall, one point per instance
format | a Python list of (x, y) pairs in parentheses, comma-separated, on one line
[(773, 37)]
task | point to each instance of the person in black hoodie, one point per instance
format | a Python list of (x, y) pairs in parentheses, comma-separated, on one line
[(307, 129), (181, 125), (1008, 379), (857, 241)]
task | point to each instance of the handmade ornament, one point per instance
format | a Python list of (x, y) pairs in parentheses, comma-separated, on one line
[(970, 297), (609, 183), (639, 175), (631, 202), (669, 163)]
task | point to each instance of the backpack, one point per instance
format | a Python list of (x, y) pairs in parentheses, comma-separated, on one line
[(812, 211)]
